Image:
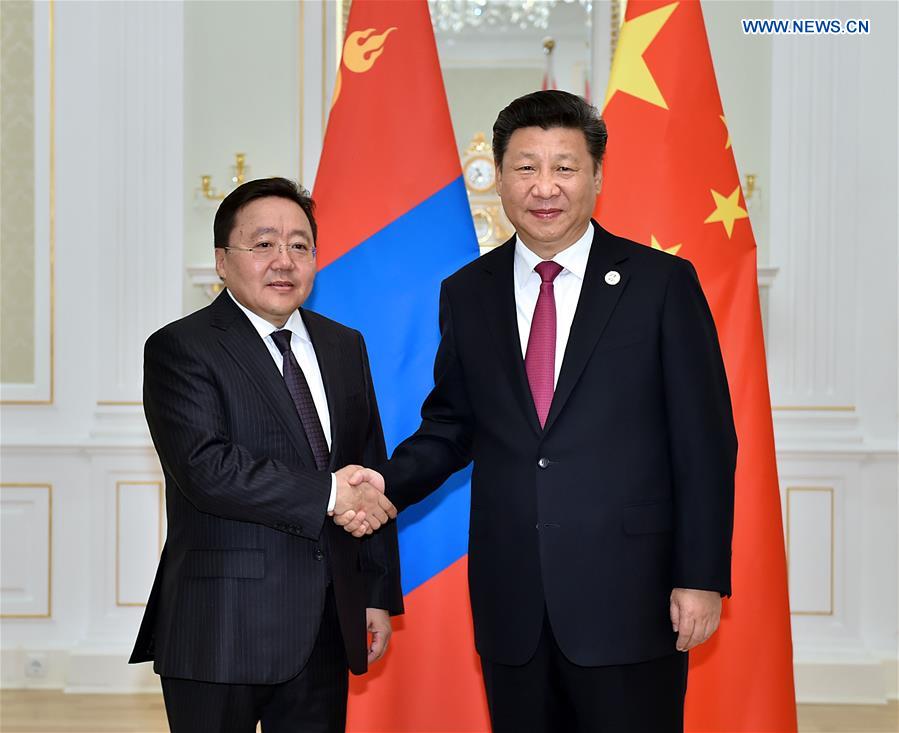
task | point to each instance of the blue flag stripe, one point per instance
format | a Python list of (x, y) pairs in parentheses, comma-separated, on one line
[(388, 287)]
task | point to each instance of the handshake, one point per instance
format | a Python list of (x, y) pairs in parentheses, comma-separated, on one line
[(361, 506)]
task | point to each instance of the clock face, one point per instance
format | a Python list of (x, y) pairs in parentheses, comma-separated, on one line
[(479, 174)]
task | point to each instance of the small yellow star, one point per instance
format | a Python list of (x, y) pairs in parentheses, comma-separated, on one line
[(727, 144), (630, 74), (727, 210), (672, 250)]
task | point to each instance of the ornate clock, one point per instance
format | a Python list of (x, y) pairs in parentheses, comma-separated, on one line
[(490, 223)]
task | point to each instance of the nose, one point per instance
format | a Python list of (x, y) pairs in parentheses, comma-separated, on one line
[(282, 260), (545, 186)]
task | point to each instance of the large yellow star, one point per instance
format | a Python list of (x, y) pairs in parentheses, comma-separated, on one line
[(727, 210), (727, 129), (672, 250), (630, 74)]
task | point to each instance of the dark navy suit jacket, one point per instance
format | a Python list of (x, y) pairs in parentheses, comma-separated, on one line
[(628, 490)]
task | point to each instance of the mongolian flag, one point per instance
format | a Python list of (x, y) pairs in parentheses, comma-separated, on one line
[(671, 183), (394, 221)]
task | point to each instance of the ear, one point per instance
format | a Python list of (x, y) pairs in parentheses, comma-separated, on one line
[(498, 179), (220, 262), (597, 179)]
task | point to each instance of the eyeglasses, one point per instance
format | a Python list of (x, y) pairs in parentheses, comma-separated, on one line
[(265, 251)]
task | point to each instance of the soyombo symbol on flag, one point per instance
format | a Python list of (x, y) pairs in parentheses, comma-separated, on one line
[(671, 183), (393, 222)]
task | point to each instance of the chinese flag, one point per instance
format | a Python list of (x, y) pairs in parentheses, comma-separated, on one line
[(671, 183)]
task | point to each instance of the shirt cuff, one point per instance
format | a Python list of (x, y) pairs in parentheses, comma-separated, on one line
[(332, 500)]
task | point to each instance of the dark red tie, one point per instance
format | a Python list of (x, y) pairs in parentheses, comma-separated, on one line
[(540, 358), (302, 400)]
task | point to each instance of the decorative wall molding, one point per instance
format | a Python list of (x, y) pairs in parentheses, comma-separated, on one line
[(814, 206), (206, 278), (811, 541), (138, 539), (42, 390), (26, 514), (141, 99), (840, 504)]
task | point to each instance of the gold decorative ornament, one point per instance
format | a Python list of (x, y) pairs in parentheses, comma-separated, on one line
[(208, 192)]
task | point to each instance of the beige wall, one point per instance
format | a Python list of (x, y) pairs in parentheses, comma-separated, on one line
[(17, 245), (240, 95), (476, 95)]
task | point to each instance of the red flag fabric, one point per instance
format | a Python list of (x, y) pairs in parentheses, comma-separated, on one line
[(388, 109), (671, 183)]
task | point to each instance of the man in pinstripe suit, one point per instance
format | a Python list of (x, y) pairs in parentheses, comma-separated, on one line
[(260, 603)]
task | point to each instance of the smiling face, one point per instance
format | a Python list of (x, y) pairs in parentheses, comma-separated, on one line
[(548, 185), (273, 288)]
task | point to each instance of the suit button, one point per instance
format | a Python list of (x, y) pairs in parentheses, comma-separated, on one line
[(543, 462), (318, 555)]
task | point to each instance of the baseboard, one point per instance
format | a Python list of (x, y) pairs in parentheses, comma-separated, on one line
[(858, 682), (75, 671)]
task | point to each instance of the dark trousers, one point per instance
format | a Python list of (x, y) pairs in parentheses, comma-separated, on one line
[(552, 694), (312, 702)]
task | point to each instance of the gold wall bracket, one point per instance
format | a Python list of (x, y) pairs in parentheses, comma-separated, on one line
[(239, 169)]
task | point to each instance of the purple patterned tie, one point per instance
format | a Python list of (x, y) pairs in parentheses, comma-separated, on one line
[(302, 399), (540, 358)]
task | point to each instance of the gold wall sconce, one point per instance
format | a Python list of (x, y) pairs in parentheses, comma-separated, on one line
[(749, 188), (751, 191), (207, 191)]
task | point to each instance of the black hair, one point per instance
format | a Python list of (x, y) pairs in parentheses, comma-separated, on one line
[(252, 190), (548, 109)]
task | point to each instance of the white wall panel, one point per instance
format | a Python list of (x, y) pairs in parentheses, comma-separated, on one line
[(139, 527), (41, 391), (25, 550), (810, 549), (139, 120)]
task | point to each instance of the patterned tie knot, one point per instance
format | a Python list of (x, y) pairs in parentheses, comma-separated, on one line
[(282, 339), (548, 270)]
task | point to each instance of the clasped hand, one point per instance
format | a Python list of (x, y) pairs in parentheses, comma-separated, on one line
[(361, 506)]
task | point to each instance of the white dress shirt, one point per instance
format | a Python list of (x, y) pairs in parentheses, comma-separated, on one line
[(301, 346), (566, 288)]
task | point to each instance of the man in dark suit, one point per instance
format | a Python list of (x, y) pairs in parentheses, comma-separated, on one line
[(260, 602), (581, 373)]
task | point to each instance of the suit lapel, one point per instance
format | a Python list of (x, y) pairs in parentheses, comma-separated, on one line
[(498, 294), (242, 342), (330, 359), (595, 305)]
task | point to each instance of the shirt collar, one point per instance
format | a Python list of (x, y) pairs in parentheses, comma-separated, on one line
[(573, 258), (265, 329)]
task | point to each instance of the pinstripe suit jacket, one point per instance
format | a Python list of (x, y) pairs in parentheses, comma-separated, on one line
[(240, 588)]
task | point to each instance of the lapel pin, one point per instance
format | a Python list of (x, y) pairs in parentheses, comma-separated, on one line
[(612, 277)]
